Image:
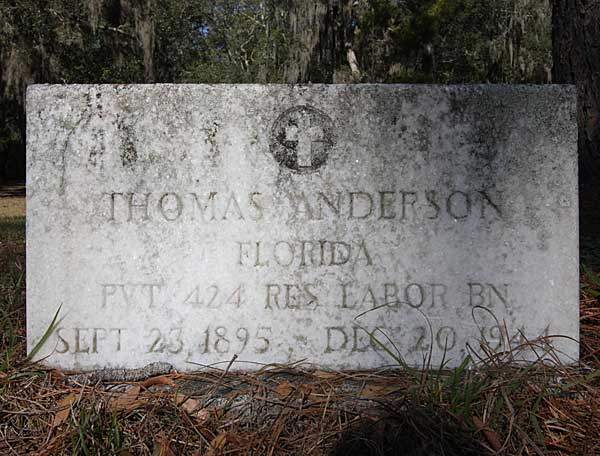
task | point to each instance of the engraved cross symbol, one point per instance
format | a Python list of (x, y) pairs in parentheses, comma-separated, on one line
[(301, 138), (305, 135)]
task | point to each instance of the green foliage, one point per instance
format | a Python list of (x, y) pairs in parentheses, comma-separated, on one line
[(248, 41), (12, 287), (49, 330), (592, 289), (239, 41), (450, 41), (96, 433)]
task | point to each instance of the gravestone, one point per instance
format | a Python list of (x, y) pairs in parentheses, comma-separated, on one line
[(339, 225)]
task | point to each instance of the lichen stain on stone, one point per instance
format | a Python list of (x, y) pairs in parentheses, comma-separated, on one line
[(532, 219), (97, 149), (88, 99), (543, 238), (211, 139), (128, 152), (487, 133), (70, 128), (127, 149), (423, 135), (98, 104)]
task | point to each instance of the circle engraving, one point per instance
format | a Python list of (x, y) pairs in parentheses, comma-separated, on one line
[(301, 139)]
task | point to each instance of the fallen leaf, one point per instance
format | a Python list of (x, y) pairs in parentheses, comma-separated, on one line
[(202, 415), (324, 374), (217, 444), (160, 380), (64, 408), (284, 389), (305, 389), (162, 447), (377, 391), (125, 401), (190, 405), (490, 435)]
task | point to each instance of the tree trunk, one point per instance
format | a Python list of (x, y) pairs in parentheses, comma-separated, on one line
[(576, 53)]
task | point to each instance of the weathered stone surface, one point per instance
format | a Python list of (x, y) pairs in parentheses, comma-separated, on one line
[(191, 223)]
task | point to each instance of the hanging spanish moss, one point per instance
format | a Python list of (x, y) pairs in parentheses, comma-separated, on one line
[(144, 11), (306, 17), (16, 72), (94, 11)]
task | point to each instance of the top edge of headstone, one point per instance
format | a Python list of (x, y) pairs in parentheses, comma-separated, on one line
[(566, 92), (443, 87)]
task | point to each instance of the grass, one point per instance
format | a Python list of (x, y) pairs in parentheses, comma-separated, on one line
[(12, 208), (498, 409), (12, 283)]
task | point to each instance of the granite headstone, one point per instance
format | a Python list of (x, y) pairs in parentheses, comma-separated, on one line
[(192, 223)]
